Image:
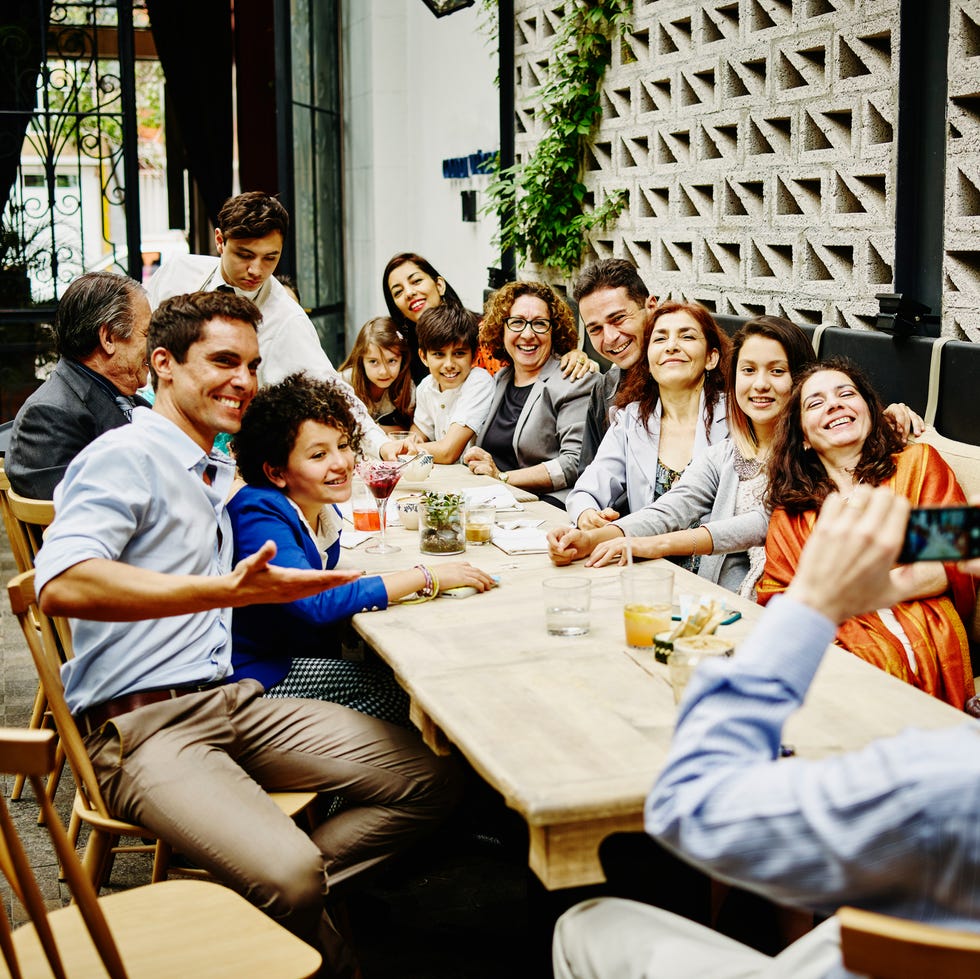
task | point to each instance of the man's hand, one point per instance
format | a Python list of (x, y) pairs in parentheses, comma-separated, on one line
[(576, 364), (255, 581), (846, 566), (904, 420)]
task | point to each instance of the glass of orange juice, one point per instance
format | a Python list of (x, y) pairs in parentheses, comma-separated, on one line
[(648, 595)]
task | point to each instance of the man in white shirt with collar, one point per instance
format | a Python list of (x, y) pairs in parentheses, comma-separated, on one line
[(249, 238)]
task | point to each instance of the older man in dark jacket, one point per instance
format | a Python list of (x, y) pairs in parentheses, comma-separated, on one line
[(100, 329)]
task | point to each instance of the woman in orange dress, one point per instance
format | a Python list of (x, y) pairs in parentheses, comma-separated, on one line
[(832, 437)]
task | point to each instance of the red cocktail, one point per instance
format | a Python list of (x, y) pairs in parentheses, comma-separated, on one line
[(380, 478)]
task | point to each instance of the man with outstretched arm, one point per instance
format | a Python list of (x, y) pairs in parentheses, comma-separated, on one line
[(891, 828), (139, 556)]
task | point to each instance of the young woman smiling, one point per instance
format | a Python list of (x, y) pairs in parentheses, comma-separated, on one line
[(832, 437), (715, 509)]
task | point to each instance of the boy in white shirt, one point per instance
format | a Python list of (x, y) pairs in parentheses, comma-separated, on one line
[(452, 403)]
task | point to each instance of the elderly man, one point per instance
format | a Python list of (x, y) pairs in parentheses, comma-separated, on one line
[(892, 828), (140, 556), (100, 331), (249, 238)]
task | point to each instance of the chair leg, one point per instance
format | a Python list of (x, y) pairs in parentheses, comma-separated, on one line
[(95, 860), (161, 861), (37, 719), (74, 828)]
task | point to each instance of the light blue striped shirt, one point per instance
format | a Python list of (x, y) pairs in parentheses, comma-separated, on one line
[(893, 828), (136, 495)]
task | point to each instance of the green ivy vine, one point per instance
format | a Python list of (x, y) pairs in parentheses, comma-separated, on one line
[(541, 203)]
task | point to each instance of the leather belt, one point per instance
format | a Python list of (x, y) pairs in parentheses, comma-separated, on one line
[(92, 719)]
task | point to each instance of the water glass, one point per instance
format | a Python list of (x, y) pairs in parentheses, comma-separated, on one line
[(566, 605)]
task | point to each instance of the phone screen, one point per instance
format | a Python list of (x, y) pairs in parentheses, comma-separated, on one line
[(942, 534)]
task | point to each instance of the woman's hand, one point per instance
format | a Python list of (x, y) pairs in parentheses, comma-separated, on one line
[(458, 574), (480, 462), (904, 420), (592, 519), (616, 551), (567, 544), (576, 364)]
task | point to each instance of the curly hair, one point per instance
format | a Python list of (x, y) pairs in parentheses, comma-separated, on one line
[(273, 420), (798, 480), (639, 384), (564, 336), (382, 332), (799, 353)]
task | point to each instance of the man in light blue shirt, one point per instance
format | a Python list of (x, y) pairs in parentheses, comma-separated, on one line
[(139, 556), (892, 828)]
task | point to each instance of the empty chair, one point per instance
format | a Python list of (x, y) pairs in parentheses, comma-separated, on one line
[(175, 928)]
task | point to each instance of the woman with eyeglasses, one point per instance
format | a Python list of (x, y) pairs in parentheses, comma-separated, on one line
[(533, 435), (410, 284)]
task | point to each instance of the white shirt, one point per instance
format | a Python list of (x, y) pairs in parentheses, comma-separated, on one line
[(467, 405), (288, 341)]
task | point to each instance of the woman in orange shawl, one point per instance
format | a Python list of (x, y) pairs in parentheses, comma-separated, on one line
[(832, 437)]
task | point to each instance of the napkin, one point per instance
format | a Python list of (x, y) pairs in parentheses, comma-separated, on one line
[(499, 496), (352, 538), (521, 537)]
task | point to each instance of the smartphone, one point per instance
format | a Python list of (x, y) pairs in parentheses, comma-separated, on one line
[(942, 534)]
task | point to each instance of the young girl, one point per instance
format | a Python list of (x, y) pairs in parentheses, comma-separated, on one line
[(296, 451), (378, 369)]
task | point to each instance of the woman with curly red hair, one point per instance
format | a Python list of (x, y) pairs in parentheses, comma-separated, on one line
[(533, 435)]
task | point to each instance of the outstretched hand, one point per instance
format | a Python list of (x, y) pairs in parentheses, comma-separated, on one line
[(254, 581), (846, 566)]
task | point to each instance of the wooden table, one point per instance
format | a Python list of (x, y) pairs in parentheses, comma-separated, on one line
[(572, 731)]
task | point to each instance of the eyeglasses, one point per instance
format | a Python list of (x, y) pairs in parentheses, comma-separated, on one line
[(517, 324)]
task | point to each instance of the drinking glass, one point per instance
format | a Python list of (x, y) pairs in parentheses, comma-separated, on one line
[(648, 591), (380, 478), (566, 606)]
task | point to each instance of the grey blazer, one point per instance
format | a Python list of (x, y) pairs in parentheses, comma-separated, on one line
[(57, 421), (551, 424)]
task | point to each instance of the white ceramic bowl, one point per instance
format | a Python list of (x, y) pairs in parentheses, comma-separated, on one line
[(418, 469), (408, 512)]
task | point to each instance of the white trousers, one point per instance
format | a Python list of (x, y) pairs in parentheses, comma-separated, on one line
[(610, 938)]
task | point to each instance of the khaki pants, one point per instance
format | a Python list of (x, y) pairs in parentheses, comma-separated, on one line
[(195, 771)]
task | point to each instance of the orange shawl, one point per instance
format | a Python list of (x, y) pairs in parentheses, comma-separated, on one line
[(932, 625)]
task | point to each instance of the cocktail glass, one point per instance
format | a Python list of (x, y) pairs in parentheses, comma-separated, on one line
[(380, 478)]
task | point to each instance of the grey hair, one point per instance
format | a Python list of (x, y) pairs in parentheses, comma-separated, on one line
[(94, 299)]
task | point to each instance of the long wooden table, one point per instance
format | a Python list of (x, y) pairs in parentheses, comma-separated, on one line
[(572, 731)]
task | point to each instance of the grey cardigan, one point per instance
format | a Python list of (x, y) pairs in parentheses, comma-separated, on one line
[(706, 491), (549, 429)]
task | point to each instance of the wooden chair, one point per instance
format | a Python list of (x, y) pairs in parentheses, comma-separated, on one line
[(883, 947), (175, 928), (90, 807), (25, 520)]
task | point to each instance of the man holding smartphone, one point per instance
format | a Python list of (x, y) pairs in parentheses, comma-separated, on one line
[(891, 828)]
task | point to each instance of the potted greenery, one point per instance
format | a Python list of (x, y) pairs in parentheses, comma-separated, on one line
[(441, 529)]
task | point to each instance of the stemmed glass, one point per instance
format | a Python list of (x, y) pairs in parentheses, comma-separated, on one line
[(380, 478)]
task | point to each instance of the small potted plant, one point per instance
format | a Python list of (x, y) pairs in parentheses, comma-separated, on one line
[(441, 529)]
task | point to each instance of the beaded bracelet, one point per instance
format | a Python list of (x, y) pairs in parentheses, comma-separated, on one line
[(694, 544)]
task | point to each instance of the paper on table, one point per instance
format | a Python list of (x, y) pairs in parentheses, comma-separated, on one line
[(521, 537), (352, 538), (499, 496)]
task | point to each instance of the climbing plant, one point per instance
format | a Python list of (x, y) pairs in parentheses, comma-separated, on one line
[(541, 203)]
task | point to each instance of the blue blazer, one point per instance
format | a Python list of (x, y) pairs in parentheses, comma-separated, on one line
[(266, 638)]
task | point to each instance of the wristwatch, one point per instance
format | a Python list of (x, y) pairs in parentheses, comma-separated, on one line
[(503, 477)]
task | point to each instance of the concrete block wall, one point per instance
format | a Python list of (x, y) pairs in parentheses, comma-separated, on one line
[(757, 141), (961, 270)]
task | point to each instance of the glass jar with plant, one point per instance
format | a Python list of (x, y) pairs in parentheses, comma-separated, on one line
[(441, 525)]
